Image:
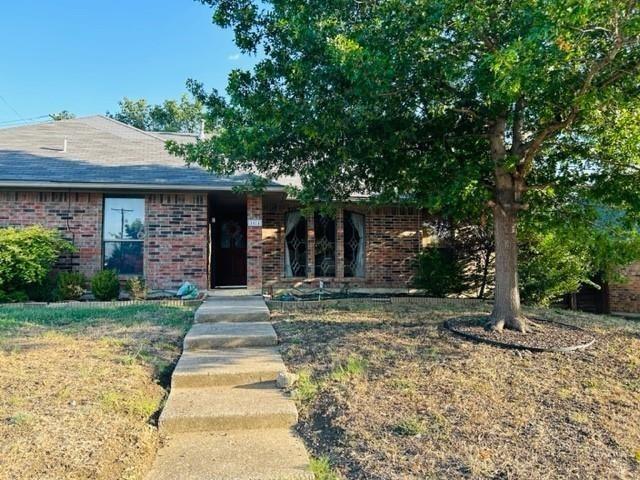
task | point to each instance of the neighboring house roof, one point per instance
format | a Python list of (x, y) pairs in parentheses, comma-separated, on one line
[(101, 152)]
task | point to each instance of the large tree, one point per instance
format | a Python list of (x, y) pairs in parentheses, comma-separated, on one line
[(459, 105)]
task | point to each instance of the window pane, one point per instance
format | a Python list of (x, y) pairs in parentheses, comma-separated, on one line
[(295, 253), (353, 244), (124, 257), (232, 235), (123, 218), (325, 255)]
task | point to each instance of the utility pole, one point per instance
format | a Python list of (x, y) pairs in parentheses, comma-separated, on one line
[(122, 212)]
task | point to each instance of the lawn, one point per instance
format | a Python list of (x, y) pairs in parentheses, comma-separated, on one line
[(386, 393), (82, 387)]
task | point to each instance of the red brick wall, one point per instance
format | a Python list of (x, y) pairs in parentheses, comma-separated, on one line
[(392, 240), (254, 243), (176, 231), (76, 215), (176, 241), (625, 297)]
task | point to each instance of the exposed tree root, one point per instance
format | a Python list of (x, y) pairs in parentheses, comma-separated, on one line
[(519, 324)]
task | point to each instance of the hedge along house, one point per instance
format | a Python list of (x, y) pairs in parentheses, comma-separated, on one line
[(126, 204)]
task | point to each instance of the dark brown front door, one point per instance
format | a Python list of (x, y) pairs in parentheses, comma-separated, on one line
[(230, 256)]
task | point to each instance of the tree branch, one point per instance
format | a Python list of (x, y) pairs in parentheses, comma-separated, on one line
[(535, 144)]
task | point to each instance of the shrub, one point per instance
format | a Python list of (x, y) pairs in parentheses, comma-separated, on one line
[(70, 285), (551, 266), (14, 296), (137, 288), (105, 285), (27, 256), (45, 291), (439, 272)]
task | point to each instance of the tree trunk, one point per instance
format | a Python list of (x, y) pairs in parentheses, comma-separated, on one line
[(506, 308), (507, 201)]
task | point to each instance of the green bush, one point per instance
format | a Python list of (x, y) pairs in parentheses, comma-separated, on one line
[(15, 296), (137, 288), (105, 285), (46, 290), (70, 285), (27, 256), (551, 266), (439, 272)]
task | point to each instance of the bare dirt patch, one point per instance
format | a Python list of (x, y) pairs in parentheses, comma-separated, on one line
[(543, 335), (388, 393), (79, 399)]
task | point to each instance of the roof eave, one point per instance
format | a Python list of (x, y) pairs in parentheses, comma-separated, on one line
[(5, 184)]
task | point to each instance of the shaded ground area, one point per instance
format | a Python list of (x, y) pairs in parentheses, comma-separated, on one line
[(387, 393), (81, 388)]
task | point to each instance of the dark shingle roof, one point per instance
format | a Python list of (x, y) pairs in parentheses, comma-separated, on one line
[(100, 152)]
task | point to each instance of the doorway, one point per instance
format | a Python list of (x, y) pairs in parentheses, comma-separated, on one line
[(228, 240)]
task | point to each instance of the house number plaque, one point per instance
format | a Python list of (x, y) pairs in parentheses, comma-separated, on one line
[(254, 222)]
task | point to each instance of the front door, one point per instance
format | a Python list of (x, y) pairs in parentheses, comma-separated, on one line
[(230, 256)]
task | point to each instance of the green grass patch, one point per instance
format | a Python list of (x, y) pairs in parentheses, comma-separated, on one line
[(307, 387), (13, 318), (322, 470), (355, 366), (409, 427), (136, 405)]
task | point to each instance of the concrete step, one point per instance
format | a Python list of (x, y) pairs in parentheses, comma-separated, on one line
[(233, 309), (275, 454), (252, 406), (233, 366), (230, 335)]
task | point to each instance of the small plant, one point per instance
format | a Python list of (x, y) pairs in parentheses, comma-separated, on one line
[(21, 419), (105, 285), (409, 427), (136, 287), (321, 469), (70, 285), (306, 387), (355, 366)]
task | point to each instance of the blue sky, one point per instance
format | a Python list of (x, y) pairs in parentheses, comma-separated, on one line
[(84, 56)]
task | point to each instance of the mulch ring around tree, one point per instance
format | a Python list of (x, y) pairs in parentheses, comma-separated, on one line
[(548, 336)]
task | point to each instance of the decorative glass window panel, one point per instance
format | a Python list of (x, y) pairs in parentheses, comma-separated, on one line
[(325, 245), (123, 234), (353, 244), (295, 249), (232, 235)]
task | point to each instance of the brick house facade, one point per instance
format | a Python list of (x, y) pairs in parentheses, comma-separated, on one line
[(172, 223), (178, 238)]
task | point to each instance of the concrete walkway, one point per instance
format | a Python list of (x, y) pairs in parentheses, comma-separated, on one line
[(224, 418)]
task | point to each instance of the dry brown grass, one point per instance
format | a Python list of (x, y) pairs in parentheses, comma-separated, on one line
[(78, 400), (430, 405)]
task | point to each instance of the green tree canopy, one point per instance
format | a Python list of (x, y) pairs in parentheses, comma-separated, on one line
[(510, 106), (182, 115)]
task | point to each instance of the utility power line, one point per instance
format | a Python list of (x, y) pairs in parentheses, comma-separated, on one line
[(21, 121), (11, 108)]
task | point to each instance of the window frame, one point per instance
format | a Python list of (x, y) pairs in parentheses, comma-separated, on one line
[(364, 245), (137, 240)]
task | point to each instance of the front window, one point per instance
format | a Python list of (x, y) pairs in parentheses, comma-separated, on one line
[(353, 244), (123, 234), (325, 234), (295, 249)]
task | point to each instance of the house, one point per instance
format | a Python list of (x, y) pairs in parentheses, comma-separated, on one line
[(127, 204)]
